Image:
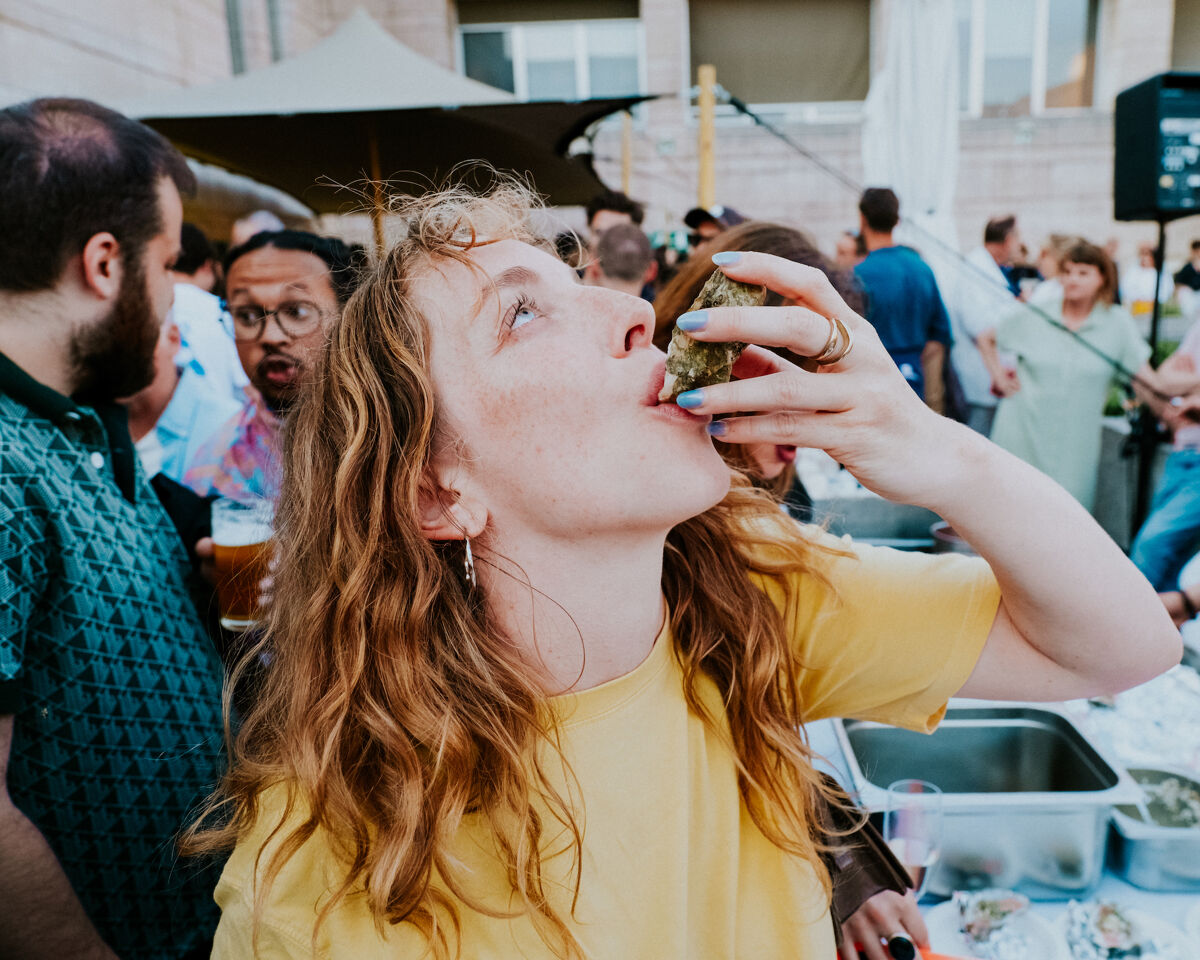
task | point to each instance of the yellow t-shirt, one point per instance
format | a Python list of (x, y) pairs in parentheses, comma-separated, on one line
[(673, 866)]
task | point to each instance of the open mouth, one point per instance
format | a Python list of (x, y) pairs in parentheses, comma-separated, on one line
[(278, 370), (785, 453), (668, 408)]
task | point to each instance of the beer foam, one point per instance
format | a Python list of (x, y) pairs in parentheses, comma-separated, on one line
[(241, 534)]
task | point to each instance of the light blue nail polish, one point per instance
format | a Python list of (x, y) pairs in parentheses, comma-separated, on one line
[(726, 258), (691, 399), (715, 429), (693, 321)]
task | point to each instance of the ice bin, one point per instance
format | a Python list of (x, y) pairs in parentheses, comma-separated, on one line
[(1026, 797)]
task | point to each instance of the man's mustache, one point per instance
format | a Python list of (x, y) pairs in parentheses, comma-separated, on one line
[(275, 355)]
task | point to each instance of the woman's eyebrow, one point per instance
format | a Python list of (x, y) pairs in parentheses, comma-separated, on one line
[(512, 277)]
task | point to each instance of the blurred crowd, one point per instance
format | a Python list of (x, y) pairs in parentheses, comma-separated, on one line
[(125, 333), (1028, 350)]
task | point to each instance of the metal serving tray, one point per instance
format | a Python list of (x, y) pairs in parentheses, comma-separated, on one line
[(1155, 857), (1026, 797)]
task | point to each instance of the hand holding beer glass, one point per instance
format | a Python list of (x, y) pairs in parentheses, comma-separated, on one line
[(241, 534)]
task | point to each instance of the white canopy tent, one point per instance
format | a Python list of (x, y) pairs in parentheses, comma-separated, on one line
[(362, 108), (360, 67)]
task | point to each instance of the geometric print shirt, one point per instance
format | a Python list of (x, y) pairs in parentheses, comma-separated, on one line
[(114, 686)]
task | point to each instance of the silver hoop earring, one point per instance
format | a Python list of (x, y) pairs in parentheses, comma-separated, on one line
[(469, 565)]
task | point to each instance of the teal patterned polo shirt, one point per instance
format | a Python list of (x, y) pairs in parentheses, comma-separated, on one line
[(114, 686)]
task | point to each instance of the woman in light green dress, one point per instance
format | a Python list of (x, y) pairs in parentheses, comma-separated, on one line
[(1053, 403)]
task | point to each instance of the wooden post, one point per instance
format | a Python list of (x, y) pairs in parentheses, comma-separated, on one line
[(379, 207), (707, 78), (626, 151)]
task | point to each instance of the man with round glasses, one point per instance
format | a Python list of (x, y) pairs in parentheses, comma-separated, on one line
[(284, 288)]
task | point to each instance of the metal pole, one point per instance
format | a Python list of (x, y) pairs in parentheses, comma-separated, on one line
[(275, 26), (626, 151), (379, 207), (1147, 422), (237, 45), (707, 78)]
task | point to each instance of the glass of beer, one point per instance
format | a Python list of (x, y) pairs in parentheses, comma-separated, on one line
[(241, 533)]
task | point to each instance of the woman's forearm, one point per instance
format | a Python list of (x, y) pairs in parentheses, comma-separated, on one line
[(1067, 588), (986, 342)]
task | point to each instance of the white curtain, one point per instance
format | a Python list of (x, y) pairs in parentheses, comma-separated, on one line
[(910, 127)]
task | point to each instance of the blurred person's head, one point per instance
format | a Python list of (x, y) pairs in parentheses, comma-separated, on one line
[(667, 260), (1196, 250), (1088, 275), (284, 290), (197, 262), (767, 464), (623, 260), (89, 231), (709, 222), (611, 207), (850, 250), (258, 221), (879, 212), (1049, 259), (1003, 240), (570, 249), (1145, 255)]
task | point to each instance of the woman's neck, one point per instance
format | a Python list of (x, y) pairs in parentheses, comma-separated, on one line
[(587, 610), (1076, 311)]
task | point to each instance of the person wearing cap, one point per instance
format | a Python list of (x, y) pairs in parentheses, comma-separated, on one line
[(708, 222)]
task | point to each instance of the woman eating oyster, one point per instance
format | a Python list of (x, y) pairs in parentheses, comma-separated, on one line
[(541, 664)]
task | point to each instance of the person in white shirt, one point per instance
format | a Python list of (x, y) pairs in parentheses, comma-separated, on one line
[(206, 344), (976, 296), (1137, 284), (177, 412)]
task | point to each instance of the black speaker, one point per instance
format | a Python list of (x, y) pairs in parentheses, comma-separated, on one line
[(1156, 173)]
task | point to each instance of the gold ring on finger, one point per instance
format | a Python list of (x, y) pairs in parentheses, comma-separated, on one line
[(831, 343), (839, 344)]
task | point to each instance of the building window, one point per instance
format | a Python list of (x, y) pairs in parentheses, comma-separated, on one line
[(556, 60), (784, 51), (1021, 57)]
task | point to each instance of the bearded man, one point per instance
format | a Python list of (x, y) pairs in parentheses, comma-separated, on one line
[(110, 714), (284, 289)]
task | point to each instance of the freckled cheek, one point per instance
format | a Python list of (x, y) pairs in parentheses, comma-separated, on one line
[(527, 421)]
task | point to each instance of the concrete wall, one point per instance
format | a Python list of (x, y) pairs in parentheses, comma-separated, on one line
[(109, 48), (119, 49)]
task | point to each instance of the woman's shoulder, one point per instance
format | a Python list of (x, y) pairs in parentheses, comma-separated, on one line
[(289, 899), (278, 826)]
